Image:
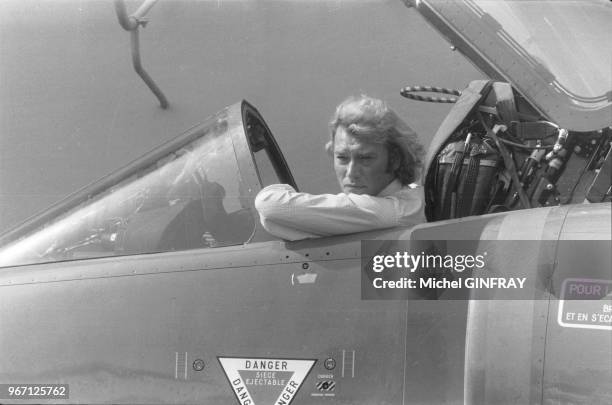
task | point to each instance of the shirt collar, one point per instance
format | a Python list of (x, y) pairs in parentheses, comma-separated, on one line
[(391, 188)]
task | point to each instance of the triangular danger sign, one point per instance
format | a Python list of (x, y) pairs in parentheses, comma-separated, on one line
[(259, 381)]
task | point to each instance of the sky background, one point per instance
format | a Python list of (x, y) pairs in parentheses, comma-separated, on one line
[(72, 109)]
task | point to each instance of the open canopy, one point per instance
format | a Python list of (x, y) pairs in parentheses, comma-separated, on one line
[(557, 54)]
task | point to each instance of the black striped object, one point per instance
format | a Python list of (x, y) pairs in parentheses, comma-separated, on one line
[(408, 93), (326, 385)]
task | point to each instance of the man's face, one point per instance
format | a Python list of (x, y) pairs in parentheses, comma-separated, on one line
[(361, 167)]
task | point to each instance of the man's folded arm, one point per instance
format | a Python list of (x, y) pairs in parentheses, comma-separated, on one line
[(291, 215)]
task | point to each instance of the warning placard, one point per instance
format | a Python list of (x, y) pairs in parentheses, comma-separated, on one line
[(264, 381), (586, 303)]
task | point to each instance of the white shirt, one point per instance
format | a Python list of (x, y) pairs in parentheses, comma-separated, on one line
[(291, 215)]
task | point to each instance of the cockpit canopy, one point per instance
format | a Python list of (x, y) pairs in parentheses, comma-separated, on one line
[(194, 192), (556, 54)]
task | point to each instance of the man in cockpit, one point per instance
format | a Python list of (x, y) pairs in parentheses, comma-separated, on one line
[(377, 158)]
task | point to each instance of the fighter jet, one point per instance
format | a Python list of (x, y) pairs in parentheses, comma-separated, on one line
[(158, 284)]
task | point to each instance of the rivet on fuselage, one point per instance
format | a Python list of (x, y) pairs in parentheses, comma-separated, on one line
[(198, 365)]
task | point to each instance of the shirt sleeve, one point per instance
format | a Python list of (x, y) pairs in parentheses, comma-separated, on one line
[(291, 215)]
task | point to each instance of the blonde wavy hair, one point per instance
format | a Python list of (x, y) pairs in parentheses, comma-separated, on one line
[(372, 120)]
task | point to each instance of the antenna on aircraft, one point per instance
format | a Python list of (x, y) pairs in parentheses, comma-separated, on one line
[(132, 23)]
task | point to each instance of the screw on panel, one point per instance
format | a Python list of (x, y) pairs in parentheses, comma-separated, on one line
[(198, 365), (330, 363)]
